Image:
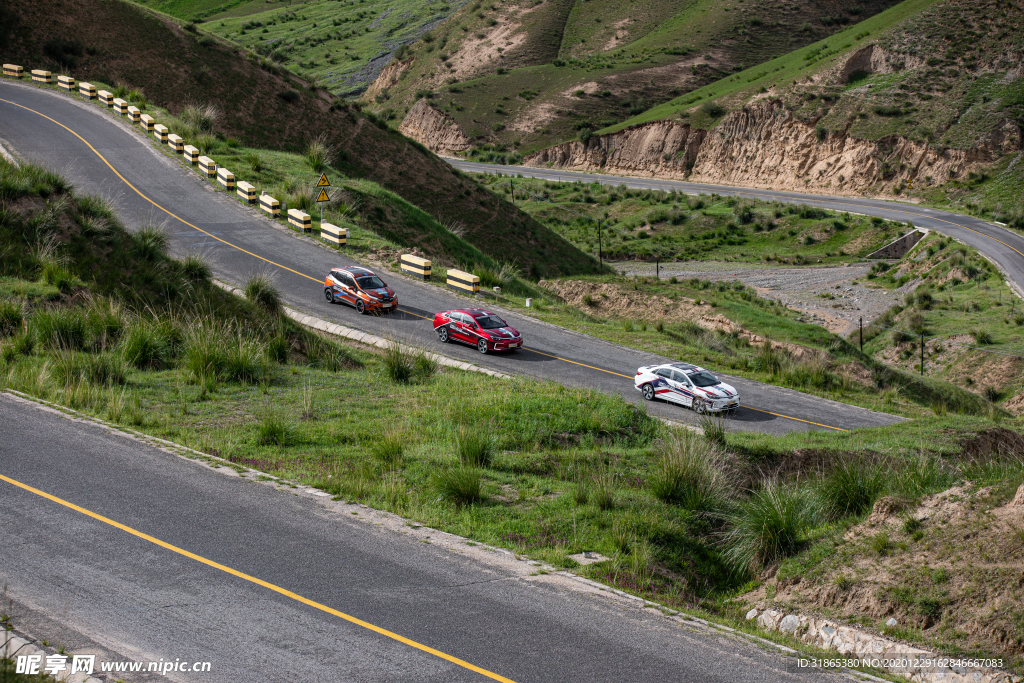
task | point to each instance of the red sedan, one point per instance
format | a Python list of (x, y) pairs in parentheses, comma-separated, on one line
[(483, 329)]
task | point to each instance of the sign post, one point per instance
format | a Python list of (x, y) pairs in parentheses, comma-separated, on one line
[(323, 196)]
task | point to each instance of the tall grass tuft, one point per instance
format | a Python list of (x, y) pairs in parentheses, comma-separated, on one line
[(927, 474), (399, 364), (145, 345), (389, 448), (12, 317), (475, 446), (244, 359), (255, 162), (59, 328), (326, 353), (201, 117), (851, 488), (766, 528), (195, 268), (604, 489), (690, 473), (713, 428), (260, 290), (151, 242), (459, 484), (71, 368), (272, 429), (204, 349), (318, 153), (105, 323)]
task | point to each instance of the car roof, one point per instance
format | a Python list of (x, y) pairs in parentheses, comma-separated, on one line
[(475, 312), (354, 270), (687, 368)]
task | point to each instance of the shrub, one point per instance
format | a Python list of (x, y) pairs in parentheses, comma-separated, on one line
[(261, 292), (289, 96), (982, 336), (59, 328), (11, 317), (273, 429), (712, 109), (204, 350), (462, 485), (689, 474), (475, 446), (851, 488), (765, 529), (72, 368)]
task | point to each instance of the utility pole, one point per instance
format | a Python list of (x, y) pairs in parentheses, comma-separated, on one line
[(862, 335)]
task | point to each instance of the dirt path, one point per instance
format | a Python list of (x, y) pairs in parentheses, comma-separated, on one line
[(825, 295)]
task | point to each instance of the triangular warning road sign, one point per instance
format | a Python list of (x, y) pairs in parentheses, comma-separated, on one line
[(323, 182), (323, 196)]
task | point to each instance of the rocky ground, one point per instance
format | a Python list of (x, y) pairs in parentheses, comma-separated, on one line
[(827, 295)]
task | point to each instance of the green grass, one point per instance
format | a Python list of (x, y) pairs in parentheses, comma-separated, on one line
[(652, 224), (330, 43)]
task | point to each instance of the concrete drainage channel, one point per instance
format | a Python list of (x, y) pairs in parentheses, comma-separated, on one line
[(898, 658)]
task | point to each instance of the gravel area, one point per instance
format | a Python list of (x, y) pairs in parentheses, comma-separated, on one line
[(806, 289)]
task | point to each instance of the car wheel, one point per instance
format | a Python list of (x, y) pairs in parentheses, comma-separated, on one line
[(329, 295), (699, 406), (648, 392), (481, 346), (360, 306), (442, 334)]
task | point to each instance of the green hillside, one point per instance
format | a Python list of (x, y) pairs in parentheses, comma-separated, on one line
[(526, 74), (261, 105)]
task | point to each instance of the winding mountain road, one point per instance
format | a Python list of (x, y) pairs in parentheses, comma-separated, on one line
[(102, 154), (1001, 245)]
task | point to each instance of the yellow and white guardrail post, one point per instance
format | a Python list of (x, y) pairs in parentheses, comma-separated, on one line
[(415, 266), (332, 234), (300, 219), (246, 191), (270, 206), (461, 281)]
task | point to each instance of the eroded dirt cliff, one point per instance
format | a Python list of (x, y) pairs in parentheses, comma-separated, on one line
[(763, 145), (434, 129)]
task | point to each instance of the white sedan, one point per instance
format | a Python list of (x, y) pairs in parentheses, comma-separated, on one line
[(688, 385)]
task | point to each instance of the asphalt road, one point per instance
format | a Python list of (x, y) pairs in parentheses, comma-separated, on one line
[(101, 154), (142, 598), (1003, 246)]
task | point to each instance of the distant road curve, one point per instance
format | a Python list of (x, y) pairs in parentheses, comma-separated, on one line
[(1002, 245)]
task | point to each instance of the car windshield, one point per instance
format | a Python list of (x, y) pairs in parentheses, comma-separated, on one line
[(490, 322), (703, 379), (370, 282)]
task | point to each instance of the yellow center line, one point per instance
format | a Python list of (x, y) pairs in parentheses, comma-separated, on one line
[(234, 246), (838, 429), (260, 582)]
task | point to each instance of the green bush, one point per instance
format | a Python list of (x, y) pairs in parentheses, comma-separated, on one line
[(151, 243), (195, 268), (318, 154), (244, 360), (766, 528), (399, 364)]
